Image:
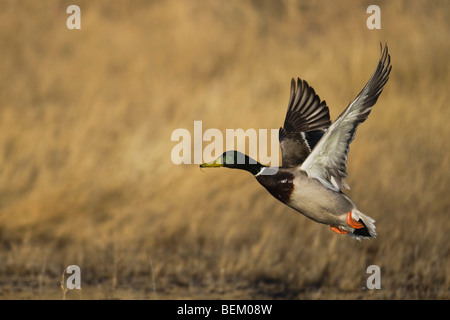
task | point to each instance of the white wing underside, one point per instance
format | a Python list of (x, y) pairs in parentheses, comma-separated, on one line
[(328, 160)]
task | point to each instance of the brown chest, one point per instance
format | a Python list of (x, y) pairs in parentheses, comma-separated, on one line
[(279, 185)]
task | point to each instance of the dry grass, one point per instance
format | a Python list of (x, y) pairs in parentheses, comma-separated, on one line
[(86, 176)]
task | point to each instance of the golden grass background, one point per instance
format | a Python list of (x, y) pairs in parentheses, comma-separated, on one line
[(86, 176)]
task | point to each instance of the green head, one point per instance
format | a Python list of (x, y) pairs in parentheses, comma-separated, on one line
[(235, 160)]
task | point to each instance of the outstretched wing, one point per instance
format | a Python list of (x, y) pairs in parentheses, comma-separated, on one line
[(328, 161), (306, 120)]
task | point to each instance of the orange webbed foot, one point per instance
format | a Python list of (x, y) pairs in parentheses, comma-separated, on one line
[(352, 222), (337, 230)]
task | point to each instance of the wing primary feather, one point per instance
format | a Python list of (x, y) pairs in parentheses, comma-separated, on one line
[(306, 113), (327, 162)]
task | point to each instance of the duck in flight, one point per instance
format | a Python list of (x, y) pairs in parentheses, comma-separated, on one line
[(314, 156)]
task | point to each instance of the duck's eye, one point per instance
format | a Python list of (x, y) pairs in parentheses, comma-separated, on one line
[(227, 160)]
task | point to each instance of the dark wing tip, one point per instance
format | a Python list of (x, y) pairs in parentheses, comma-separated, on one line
[(305, 111)]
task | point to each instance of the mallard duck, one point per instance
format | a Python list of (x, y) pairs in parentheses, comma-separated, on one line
[(314, 156)]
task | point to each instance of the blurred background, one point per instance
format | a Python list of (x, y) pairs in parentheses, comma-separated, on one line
[(86, 175)]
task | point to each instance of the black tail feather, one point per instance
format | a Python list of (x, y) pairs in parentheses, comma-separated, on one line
[(363, 232)]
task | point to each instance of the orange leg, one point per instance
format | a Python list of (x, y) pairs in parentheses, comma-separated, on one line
[(337, 230), (352, 222)]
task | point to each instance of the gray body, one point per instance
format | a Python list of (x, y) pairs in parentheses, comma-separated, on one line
[(320, 204), (309, 197)]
